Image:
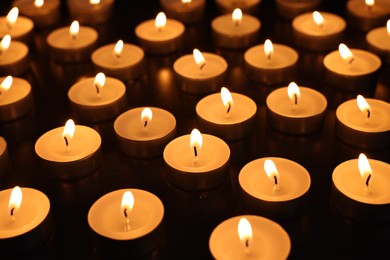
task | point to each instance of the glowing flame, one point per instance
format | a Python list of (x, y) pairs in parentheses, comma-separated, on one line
[(370, 3), (227, 99), (94, 2), (196, 141), (74, 29), (237, 16), (294, 93), (268, 49), (318, 19), (161, 21), (199, 59), (39, 3), (272, 172), (68, 131), (12, 16), (146, 116), (186, 1), (127, 203), (244, 229), (363, 105), (364, 168), (5, 43), (345, 53), (118, 49), (388, 27), (14, 201), (99, 82), (6, 84)]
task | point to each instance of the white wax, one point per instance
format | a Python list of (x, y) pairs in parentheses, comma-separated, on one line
[(16, 52), (224, 24), (347, 179), (283, 56), (179, 155), (186, 66), (310, 104), (349, 114), (364, 63), (211, 109), (270, 240), (105, 218), (305, 24), (21, 27), (61, 39), (294, 180), (359, 8), (33, 211), (379, 38), (84, 92), (148, 31), (51, 145), (19, 90)]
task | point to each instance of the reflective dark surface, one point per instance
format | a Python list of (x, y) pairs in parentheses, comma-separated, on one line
[(318, 233)]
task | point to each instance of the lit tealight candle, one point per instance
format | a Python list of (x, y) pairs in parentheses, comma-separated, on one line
[(230, 116), (126, 223), (200, 73), (90, 11), (289, 9), (123, 61), (379, 42), (187, 11), (296, 110), (235, 31), (360, 189), (72, 44), (318, 31), (364, 123), (4, 157), (161, 35), (351, 69), (274, 187), (44, 13), (25, 220), (14, 58), (197, 162), (20, 28), (69, 152), (271, 63), (144, 132), (247, 6), (15, 98), (249, 237), (365, 15)]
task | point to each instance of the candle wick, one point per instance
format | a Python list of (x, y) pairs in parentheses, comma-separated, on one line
[(368, 113), (127, 225), (125, 212), (247, 243), (368, 180), (269, 56), (66, 142), (275, 180), (202, 66), (195, 152), (295, 99), (145, 123), (351, 60), (228, 109), (97, 89), (237, 23), (118, 56), (12, 212)]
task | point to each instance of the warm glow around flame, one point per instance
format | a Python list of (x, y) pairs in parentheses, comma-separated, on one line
[(370, 3), (6, 84), (161, 21), (5, 43), (127, 203), (294, 93), (196, 139), (244, 229), (227, 98), (118, 49), (271, 171), (74, 29), (364, 167), (268, 48), (237, 16), (146, 116), (69, 129), (94, 2), (363, 104), (318, 18), (100, 80), (12, 16), (186, 1), (14, 201), (345, 53), (199, 59), (388, 27), (39, 3)]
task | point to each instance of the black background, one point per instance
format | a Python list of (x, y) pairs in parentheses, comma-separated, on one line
[(190, 217)]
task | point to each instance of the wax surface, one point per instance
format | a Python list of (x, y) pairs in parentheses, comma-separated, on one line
[(104, 57), (225, 25), (19, 89), (3, 145), (359, 8), (305, 24), (16, 52), (22, 26), (61, 38), (186, 66), (379, 38), (148, 31), (283, 56), (28, 7)]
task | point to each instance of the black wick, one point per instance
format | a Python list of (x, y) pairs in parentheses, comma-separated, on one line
[(125, 212), (195, 151), (275, 180), (66, 141), (97, 89), (12, 212), (228, 110), (368, 180), (295, 99), (146, 123), (368, 113)]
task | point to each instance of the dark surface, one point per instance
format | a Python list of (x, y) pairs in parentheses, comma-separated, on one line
[(318, 233)]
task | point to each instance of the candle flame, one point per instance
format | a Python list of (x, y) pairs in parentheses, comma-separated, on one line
[(199, 59), (118, 49), (161, 21), (39, 3), (227, 99), (68, 132), (370, 3), (74, 29), (318, 19), (94, 2), (346, 53), (363, 105), (237, 16), (12, 16), (6, 84), (186, 1), (294, 93), (100, 81), (14, 201), (5, 43), (146, 116), (388, 27), (272, 172), (268, 49), (244, 229), (364, 168), (196, 141), (127, 203)]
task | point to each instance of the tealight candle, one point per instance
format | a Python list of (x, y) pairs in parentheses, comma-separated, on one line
[(249, 237), (379, 42), (365, 15), (296, 110), (14, 58), (44, 13), (247, 6), (187, 11), (289, 9), (20, 28), (351, 70), (161, 35), (364, 123), (69, 152), (90, 11), (230, 116), (123, 61), (235, 31), (271, 63), (144, 132), (25, 220), (15, 98), (361, 189), (126, 223), (200, 73), (318, 31), (4, 157), (197, 162), (72, 44), (274, 187)]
